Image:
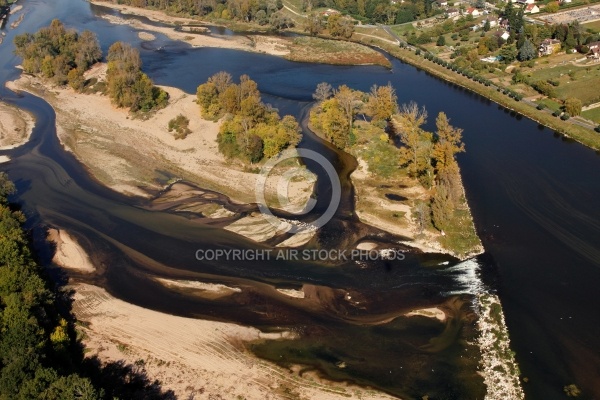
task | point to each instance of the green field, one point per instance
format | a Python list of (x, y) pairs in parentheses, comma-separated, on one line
[(593, 25), (593, 114), (583, 84)]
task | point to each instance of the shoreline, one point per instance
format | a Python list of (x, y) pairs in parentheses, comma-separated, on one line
[(123, 152), (16, 126), (169, 349), (581, 135), (345, 53)]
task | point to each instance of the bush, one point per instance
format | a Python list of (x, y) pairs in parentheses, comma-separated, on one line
[(565, 116), (556, 113), (180, 124), (540, 107), (597, 129)]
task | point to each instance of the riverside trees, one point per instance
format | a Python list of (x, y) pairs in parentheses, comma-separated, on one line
[(63, 55), (427, 157), (127, 85), (57, 53), (252, 130)]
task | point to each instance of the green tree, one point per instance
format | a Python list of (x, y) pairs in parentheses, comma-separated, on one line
[(508, 53), (573, 106), (441, 41), (527, 51)]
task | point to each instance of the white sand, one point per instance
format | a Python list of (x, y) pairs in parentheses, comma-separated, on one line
[(124, 153), (69, 254), (194, 357), (16, 126)]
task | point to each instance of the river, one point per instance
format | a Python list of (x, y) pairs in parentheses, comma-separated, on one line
[(533, 195)]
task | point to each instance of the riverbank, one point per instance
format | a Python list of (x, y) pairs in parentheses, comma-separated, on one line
[(192, 357), (585, 136), (301, 49), (138, 156), (388, 204), (16, 126)]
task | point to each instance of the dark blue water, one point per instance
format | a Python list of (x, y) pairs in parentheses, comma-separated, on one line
[(533, 195)]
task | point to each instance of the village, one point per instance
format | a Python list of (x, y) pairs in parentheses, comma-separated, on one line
[(550, 60)]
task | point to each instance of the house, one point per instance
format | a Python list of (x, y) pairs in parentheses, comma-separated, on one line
[(594, 53), (532, 9), (548, 47), (502, 34), (594, 45), (442, 3), (525, 2), (473, 11), (565, 1), (452, 12)]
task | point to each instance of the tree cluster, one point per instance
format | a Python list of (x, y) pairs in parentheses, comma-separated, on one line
[(58, 54), (337, 109), (261, 12), (127, 85), (252, 130), (430, 157)]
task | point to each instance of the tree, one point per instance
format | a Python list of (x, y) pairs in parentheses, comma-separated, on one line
[(441, 41), (340, 26), (508, 53), (441, 208), (487, 26), (527, 51), (448, 144), (573, 106), (323, 91), (348, 101), (314, 24), (415, 140), (382, 103), (334, 123), (552, 7), (76, 79)]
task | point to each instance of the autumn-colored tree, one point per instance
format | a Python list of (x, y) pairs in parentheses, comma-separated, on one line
[(408, 125), (573, 106), (334, 123), (340, 26), (448, 144), (349, 101), (382, 103), (313, 24)]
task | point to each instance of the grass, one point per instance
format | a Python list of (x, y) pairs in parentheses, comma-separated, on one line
[(311, 49), (593, 25), (550, 104), (460, 234), (593, 114), (583, 135)]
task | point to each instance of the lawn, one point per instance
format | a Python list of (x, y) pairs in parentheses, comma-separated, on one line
[(593, 25), (593, 114), (550, 104), (583, 84)]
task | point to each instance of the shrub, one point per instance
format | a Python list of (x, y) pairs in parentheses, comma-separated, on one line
[(565, 116), (180, 124), (540, 107)]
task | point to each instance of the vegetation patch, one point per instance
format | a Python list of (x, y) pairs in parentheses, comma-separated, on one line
[(328, 51)]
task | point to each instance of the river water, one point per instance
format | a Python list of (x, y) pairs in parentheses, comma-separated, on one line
[(533, 195)]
